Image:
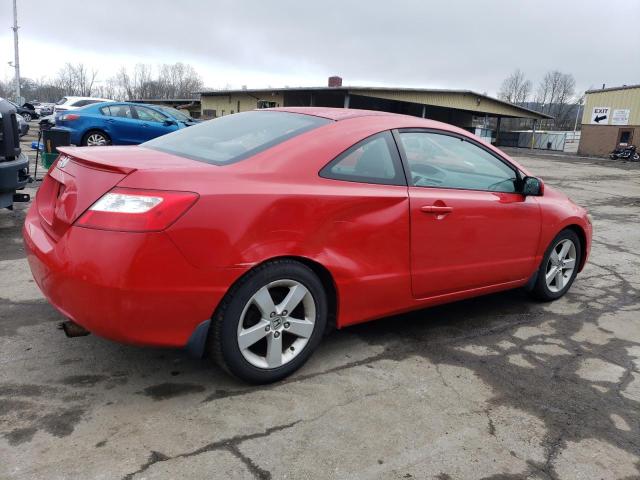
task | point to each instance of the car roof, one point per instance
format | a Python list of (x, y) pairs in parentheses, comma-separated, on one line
[(336, 114), (392, 120), (71, 98)]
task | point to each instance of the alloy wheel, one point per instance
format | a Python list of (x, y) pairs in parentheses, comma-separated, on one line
[(276, 324), (27, 117), (96, 140), (560, 266)]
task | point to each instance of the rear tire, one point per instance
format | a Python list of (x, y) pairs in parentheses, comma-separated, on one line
[(559, 267), (95, 138), (27, 117), (270, 322)]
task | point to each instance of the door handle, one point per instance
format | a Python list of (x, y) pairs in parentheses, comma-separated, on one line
[(109, 120), (437, 209)]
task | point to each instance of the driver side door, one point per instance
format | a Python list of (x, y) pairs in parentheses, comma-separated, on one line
[(470, 227)]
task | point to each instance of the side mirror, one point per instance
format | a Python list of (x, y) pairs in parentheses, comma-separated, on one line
[(168, 122), (532, 186)]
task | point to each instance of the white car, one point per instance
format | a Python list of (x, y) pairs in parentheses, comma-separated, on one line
[(71, 103)]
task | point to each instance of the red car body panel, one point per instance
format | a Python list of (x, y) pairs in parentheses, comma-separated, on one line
[(383, 253)]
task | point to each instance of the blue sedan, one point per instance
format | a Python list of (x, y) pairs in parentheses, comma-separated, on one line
[(120, 123)]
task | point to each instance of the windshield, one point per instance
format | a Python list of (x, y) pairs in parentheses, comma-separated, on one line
[(61, 101), (175, 113), (235, 137)]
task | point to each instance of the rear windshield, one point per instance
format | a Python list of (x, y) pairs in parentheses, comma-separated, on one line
[(235, 137)]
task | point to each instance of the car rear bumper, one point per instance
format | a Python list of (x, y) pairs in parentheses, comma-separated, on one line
[(127, 287), (75, 136)]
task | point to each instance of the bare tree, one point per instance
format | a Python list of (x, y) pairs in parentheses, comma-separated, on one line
[(178, 81), (142, 81), (173, 81), (515, 88), (5, 88), (76, 79), (555, 95)]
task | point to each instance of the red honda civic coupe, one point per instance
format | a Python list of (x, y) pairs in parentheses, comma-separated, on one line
[(248, 236)]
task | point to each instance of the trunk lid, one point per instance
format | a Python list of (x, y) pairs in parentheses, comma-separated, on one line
[(80, 176)]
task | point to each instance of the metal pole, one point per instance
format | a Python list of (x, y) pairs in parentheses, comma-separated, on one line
[(533, 133), (15, 46), (575, 126)]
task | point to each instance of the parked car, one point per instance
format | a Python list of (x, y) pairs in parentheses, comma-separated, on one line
[(26, 110), (14, 164), (249, 235), (47, 122), (23, 126), (73, 103), (43, 109), (120, 123)]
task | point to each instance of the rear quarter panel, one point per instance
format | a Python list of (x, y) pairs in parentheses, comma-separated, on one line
[(275, 205)]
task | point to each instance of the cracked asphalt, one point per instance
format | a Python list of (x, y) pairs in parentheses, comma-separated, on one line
[(498, 387)]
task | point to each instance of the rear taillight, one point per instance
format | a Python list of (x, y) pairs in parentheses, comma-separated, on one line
[(69, 116), (135, 210)]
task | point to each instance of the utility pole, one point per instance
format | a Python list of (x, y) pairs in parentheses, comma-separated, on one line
[(16, 62), (575, 125)]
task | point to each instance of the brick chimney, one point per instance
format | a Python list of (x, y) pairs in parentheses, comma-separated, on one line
[(335, 81)]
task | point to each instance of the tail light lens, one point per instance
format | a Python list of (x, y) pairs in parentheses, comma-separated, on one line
[(69, 116), (135, 210)]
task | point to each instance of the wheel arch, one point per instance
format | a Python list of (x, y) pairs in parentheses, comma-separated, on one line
[(323, 273), (582, 236)]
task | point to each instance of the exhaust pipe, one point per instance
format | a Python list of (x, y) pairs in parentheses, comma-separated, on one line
[(72, 329)]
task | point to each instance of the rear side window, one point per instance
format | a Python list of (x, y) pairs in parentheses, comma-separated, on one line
[(373, 160), (235, 137), (121, 111)]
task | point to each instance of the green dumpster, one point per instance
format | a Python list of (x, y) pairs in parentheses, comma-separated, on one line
[(47, 159)]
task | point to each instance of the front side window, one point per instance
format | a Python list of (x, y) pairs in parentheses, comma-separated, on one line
[(440, 160), (175, 113), (149, 115), (373, 160), (235, 137)]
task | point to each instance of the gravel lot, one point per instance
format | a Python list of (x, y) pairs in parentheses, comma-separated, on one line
[(497, 387)]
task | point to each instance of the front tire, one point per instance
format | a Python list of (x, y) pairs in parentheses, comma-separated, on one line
[(270, 322), (559, 267), (27, 117)]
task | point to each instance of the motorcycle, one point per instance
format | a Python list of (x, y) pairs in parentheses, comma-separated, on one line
[(625, 152)]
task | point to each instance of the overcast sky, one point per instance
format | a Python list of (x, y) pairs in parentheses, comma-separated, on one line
[(258, 43)]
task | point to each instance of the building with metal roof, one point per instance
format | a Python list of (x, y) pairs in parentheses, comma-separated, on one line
[(611, 117), (463, 108)]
